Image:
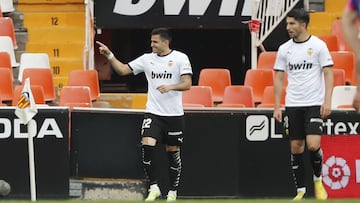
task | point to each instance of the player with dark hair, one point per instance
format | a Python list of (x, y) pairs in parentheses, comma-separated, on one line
[(307, 61), (168, 73), (350, 18)]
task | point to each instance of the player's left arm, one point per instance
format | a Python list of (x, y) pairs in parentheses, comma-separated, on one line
[(184, 84), (329, 84)]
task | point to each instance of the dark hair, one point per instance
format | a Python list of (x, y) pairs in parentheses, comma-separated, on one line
[(299, 15), (163, 32)]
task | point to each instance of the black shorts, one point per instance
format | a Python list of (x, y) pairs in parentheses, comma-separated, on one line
[(301, 121), (166, 129)]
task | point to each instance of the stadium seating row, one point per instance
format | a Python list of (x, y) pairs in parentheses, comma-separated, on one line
[(241, 96), (235, 96), (258, 79), (81, 90)]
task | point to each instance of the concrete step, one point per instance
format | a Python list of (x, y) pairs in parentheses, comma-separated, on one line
[(335, 5), (57, 49), (63, 66), (57, 34), (21, 40), (49, 1), (18, 20), (107, 189), (54, 19), (50, 7)]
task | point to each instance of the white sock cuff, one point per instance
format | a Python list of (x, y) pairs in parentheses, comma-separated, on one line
[(301, 189), (172, 192), (154, 187), (317, 178)]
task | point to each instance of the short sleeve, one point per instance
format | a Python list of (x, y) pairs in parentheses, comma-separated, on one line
[(325, 59), (280, 61), (137, 65), (185, 67)]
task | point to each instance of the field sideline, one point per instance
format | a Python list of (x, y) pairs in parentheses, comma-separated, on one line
[(188, 201)]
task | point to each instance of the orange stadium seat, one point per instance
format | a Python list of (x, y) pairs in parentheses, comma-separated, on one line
[(6, 85), (353, 79), (36, 90), (42, 77), (7, 29), (238, 96), (266, 60), (348, 106), (344, 60), (198, 95), (7, 46), (331, 41), (268, 99), (217, 79), (33, 60), (88, 78), (75, 96), (258, 79), (337, 29), (339, 77), (5, 61), (342, 95), (192, 105)]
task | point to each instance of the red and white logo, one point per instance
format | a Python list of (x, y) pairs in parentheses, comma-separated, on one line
[(336, 173)]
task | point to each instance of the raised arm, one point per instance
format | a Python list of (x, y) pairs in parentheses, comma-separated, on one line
[(119, 67)]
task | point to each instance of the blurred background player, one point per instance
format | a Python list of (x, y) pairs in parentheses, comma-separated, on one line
[(307, 61), (350, 18), (168, 72)]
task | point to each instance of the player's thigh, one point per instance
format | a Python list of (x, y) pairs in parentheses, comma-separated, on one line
[(313, 142), (151, 129), (313, 121), (294, 123), (175, 131)]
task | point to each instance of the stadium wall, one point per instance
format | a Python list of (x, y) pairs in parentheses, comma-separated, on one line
[(239, 153), (226, 153)]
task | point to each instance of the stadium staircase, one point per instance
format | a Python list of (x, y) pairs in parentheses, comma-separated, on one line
[(56, 27), (324, 14)]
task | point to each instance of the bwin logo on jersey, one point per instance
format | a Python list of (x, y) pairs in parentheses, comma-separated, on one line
[(164, 75), (257, 128), (300, 66)]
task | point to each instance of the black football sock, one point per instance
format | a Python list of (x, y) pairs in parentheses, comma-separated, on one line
[(174, 169), (147, 155), (297, 165), (316, 161)]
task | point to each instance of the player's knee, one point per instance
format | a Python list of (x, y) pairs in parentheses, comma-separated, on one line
[(313, 146), (150, 141), (172, 148), (297, 146)]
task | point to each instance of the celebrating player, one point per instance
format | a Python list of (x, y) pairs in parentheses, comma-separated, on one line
[(168, 72)]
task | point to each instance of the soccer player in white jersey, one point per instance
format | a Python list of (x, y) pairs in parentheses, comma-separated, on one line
[(168, 73), (308, 64)]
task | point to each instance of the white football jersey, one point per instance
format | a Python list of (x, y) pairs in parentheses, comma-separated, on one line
[(163, 70), (304, 62)]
